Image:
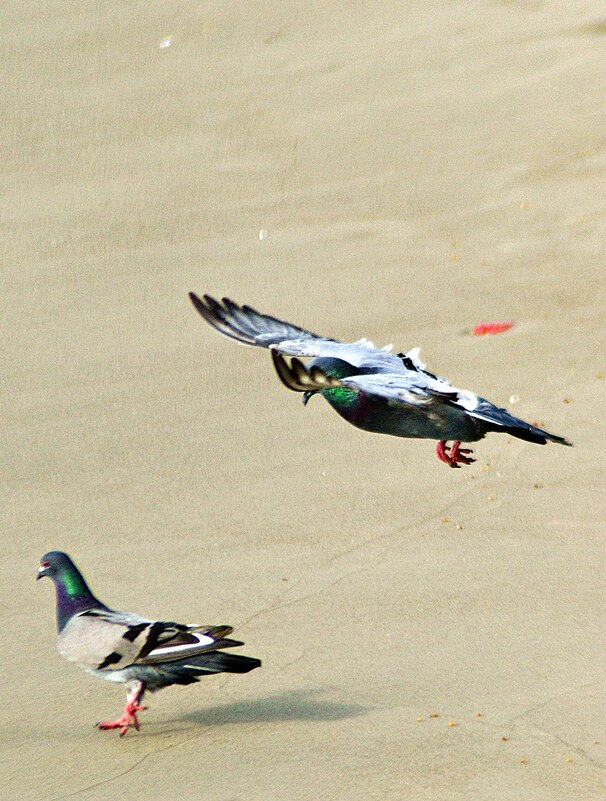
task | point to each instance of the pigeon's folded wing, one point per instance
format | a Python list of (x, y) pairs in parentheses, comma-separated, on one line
[(108, 640)]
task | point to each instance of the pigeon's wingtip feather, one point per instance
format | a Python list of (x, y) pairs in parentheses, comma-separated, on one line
[(200, 304)]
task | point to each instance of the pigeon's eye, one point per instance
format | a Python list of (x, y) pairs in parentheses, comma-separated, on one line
[(45, 564)]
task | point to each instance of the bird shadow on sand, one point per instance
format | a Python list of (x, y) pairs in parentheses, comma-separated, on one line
[(293, 705)]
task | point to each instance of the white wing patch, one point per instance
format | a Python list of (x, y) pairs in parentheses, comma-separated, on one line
[(177, 649), (467, 400), (414, 355)]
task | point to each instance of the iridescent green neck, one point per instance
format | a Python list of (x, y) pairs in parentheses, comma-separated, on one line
[(340, 397), (73, 596), (74, 583)]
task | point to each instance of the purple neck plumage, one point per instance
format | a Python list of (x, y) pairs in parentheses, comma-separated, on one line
[(73, 596)]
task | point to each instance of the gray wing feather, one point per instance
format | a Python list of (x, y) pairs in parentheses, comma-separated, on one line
[(247, 325), (412, 388), (362, 353)]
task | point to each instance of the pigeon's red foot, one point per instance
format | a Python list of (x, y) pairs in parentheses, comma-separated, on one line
[(129, 715), (456, 457)]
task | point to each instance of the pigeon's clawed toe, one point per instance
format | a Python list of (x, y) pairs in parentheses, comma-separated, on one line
[(372, 388), (124, 721), (129, 715), (455, 456), (442, 452), (459, 454)]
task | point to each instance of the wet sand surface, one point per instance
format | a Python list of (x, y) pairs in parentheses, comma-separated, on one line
[(415, 168)]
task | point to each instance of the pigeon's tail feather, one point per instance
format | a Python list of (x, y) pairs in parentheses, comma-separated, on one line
[(533, 434), (187, 671), (500, 420), (191, 669)]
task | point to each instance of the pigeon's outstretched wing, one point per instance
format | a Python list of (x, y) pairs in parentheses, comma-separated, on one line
[(407, 387), (249, 326), (416, 390), (246, 324), (107, 640), (298, 377)]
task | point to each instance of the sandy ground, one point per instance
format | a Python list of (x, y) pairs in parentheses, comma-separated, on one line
[(417, 167)]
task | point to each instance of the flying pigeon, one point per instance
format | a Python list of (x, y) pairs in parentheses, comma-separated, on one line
[(129, 649), (372, 388)]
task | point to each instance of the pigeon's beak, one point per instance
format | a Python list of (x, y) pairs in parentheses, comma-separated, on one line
[(41, 573), (307, 395)]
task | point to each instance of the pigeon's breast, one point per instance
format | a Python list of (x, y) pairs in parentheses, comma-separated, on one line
[(95, 643)]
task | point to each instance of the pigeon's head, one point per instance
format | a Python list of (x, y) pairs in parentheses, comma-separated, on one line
[(55, 564), (338, 368)]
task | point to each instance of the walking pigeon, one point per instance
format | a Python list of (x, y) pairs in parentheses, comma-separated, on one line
[(123, 647), (372, 388)]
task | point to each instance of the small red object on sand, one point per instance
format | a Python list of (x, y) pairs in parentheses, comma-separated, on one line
[(490, 328)]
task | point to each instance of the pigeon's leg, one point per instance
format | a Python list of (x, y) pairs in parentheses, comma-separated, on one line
[(129, 715), (443, 455), (457, 453)]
